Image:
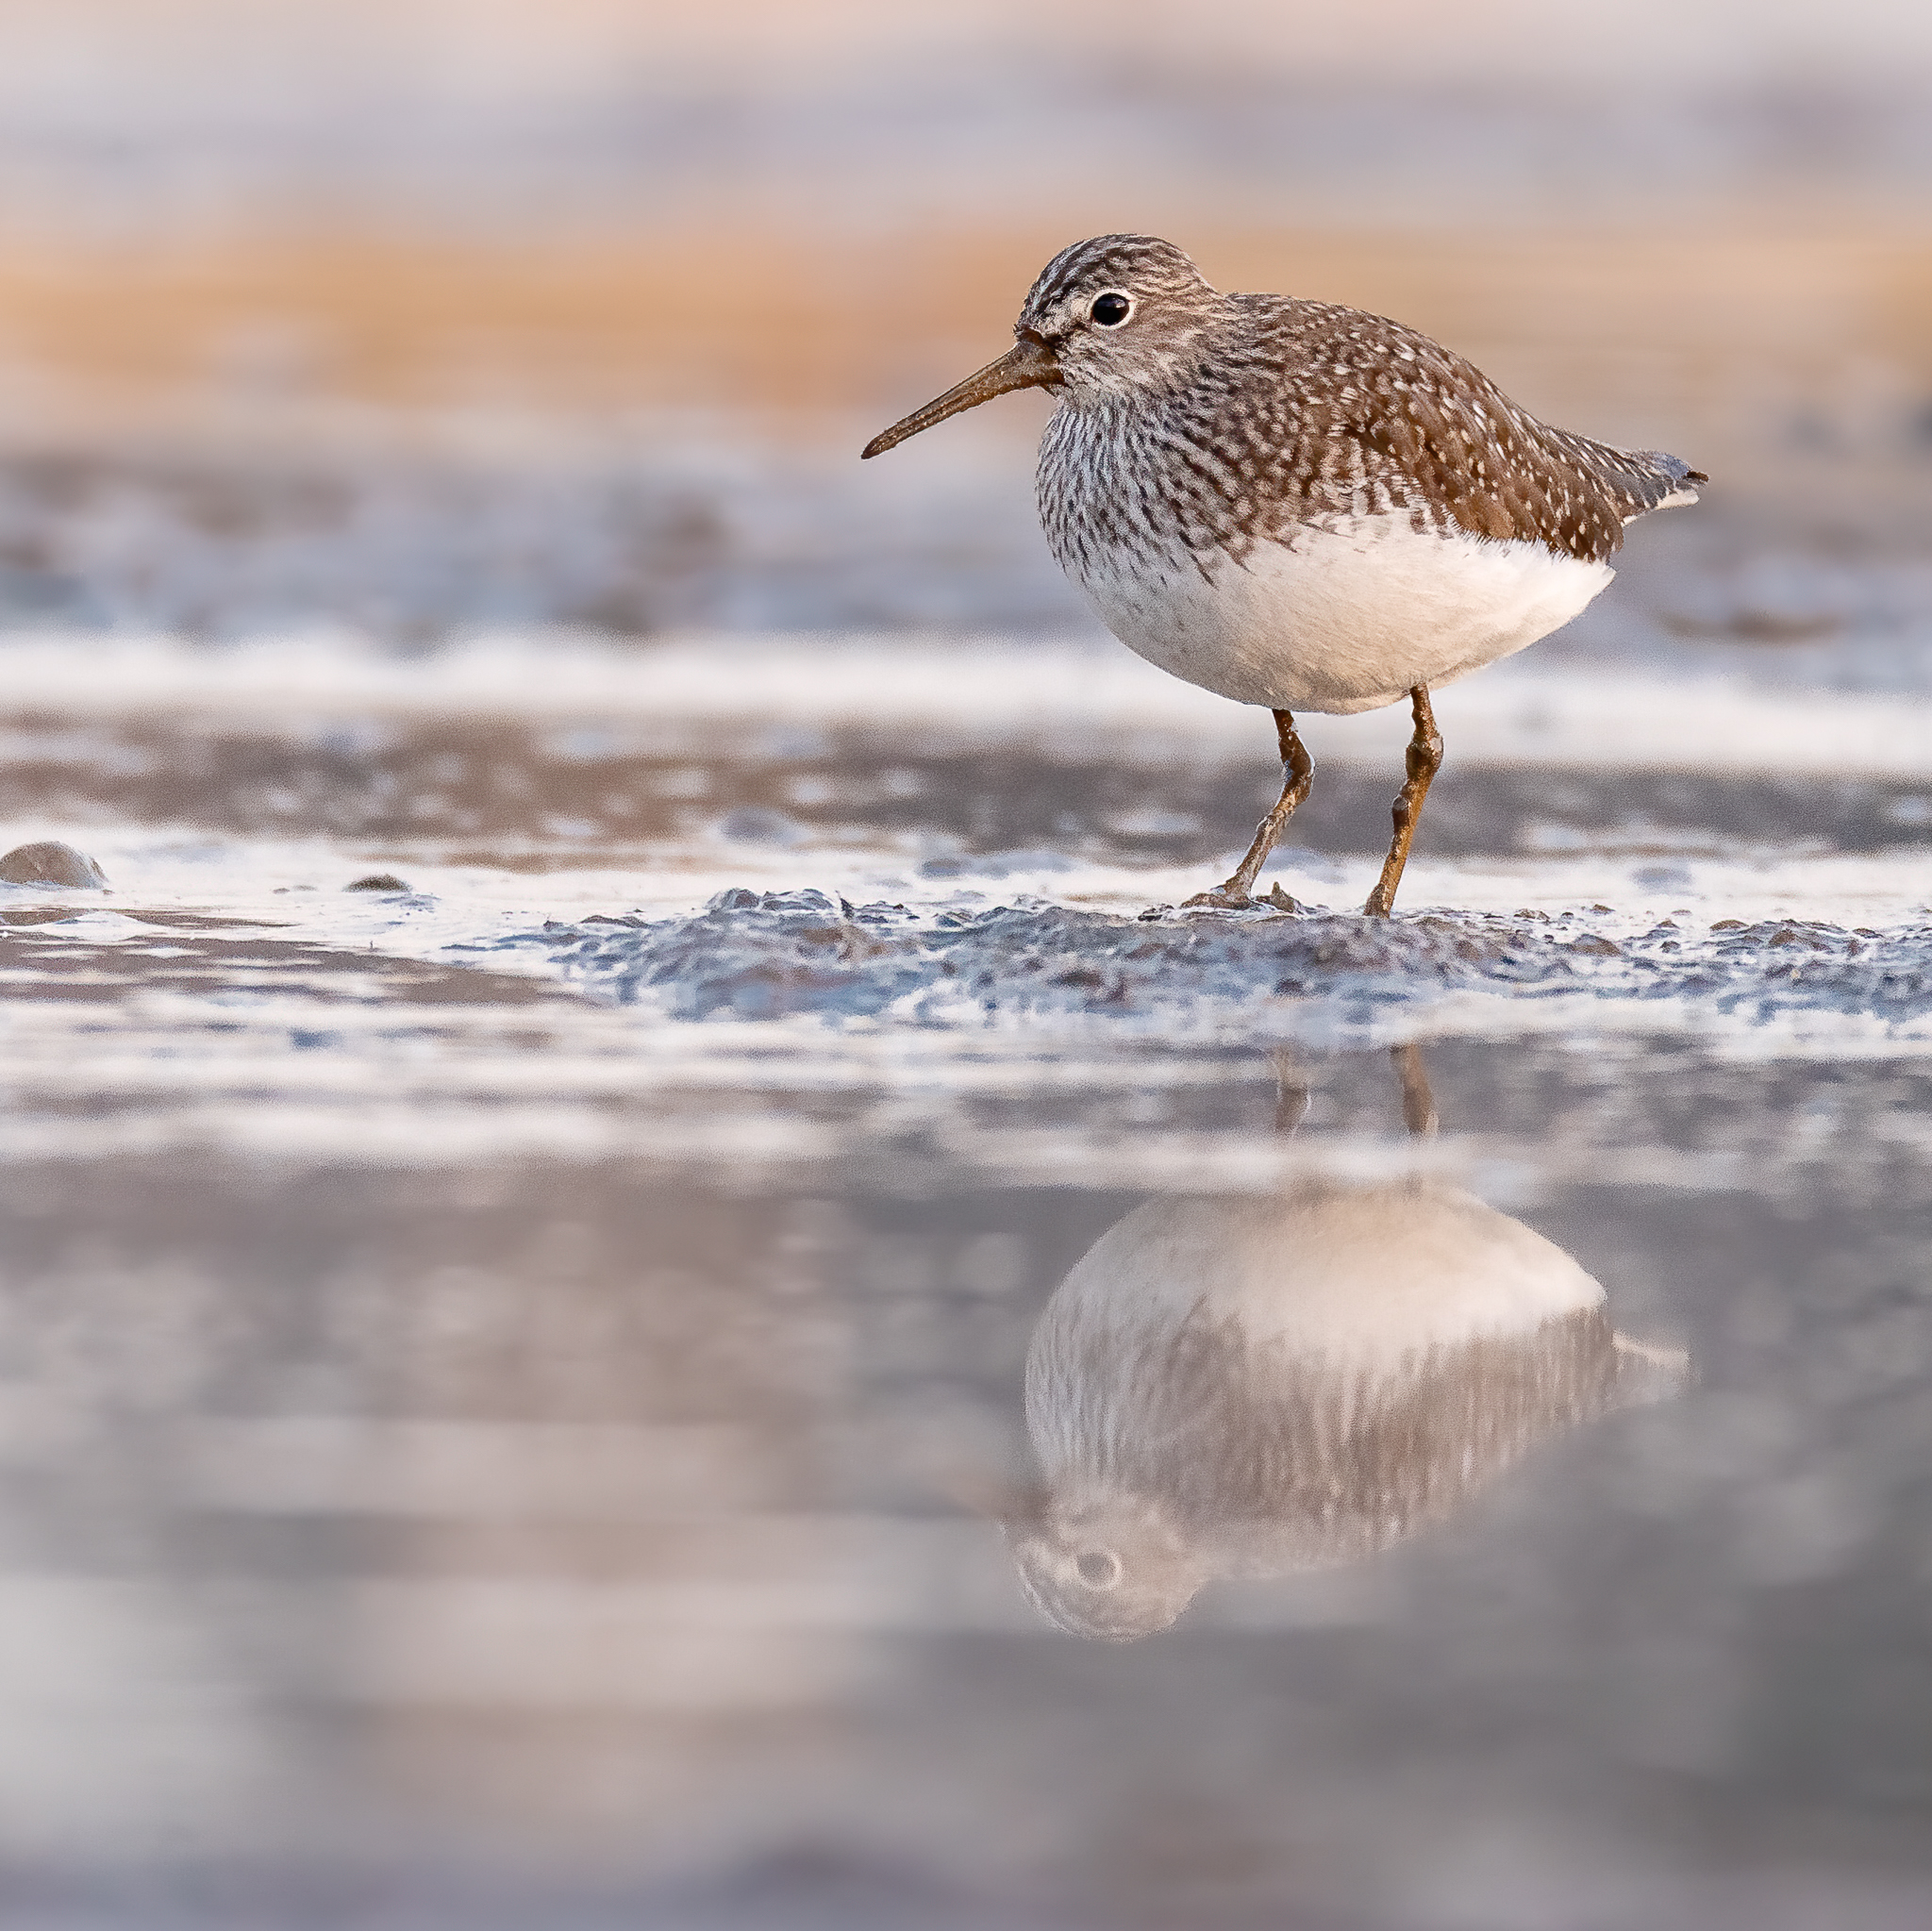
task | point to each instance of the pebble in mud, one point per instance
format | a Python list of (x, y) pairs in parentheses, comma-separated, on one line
[(378, 881), (50, 863)]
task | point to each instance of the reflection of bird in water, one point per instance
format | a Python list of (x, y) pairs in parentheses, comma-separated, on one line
[(1246, 1386)]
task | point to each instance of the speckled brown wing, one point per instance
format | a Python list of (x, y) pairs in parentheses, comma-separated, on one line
[(1337, 413)]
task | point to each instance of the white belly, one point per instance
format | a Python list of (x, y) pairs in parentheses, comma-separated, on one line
[(1344, 620)]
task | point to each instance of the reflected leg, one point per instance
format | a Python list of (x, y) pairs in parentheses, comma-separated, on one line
[(1424, 760), (1418, 1100), (1297, 774), (1291, 1094)]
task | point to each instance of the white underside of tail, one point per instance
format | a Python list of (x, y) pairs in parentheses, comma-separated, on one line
[(1342, 620)]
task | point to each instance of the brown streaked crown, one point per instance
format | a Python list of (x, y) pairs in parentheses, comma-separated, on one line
[(1142, 264)]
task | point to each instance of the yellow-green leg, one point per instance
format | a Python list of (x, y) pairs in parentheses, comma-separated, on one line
[(1424, 760), (1297, 774)]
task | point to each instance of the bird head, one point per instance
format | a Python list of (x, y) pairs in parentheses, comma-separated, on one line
[(1117, 1566), (1109, 319)]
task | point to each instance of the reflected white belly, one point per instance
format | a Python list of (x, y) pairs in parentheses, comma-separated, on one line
[(1376, 1276), (1344, 620)]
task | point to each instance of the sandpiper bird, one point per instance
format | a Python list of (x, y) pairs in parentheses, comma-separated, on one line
[(1299, 504)]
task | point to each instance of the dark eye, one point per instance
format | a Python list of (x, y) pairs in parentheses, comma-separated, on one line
[(1099, 1569), (1111, 311)]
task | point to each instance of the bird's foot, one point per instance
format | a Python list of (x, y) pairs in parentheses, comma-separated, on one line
[(1224, 898), (1230, 898)]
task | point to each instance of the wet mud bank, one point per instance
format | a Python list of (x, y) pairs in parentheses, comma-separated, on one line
[(754, 954)]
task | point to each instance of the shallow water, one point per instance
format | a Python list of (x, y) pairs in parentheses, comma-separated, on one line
[(513, 1381)]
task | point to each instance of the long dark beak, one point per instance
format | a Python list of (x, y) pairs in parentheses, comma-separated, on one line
[(1028, 364)]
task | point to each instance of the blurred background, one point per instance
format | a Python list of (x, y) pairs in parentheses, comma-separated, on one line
[(425, 317)]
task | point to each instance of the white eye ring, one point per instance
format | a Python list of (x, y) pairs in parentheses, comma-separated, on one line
[(1120, 295)]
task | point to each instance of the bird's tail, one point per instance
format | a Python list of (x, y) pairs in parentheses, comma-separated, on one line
[(1653, 479)]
